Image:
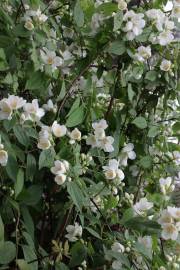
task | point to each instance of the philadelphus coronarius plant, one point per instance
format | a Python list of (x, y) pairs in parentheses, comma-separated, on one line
[(89, 135)]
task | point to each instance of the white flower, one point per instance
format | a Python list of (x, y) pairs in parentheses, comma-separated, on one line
[(165, 65), (99, 133), (38, 15), (165, 217), (59, 167), (143, 53), (50, 58), (59, 170), (91, 140), (112, 171), (58, 130), (15, 102), (74, 232), (146, 241), (127, 153), (157, 17), (3, 156), (169, 231), (50, 106), (29, 24), (176, 157), (60, 179), (116, 265), (43, 144), (99, 138), (117, 247), (102, 124), (75, 134), (32, 111), (134, 24), (106, 144), (142, 206), (165, 184), (165, 37), (176, 9), (174, 212), (122, 5), (7, 105), (5, 110)]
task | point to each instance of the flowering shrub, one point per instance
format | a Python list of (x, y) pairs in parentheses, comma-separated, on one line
[(89, 154)]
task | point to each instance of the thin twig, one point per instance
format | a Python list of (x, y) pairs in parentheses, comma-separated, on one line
[(70, 91), (103, 217)]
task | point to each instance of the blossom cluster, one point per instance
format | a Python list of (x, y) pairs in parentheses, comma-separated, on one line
[(170, 223)]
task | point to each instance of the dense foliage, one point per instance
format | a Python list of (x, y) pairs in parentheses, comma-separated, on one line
[(89, 116)]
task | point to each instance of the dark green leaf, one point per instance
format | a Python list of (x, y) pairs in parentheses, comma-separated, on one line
[(12, 167), (76, 194), (31, 167), (117, 47), (78, 253), (76, 117), (19, 184), (7, 252), (46, 158), (140, 122), (23, 265), (153, 131), (78, 14), (21, 135)]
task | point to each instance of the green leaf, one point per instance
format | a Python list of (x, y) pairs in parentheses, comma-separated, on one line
[(22, 264), (46, 158), (74, 106), (137, 72), (76, 194), (19, 184), (146, 162), (143, 225), (62, 92), (176, 128), (78, 14), (1, 230), (21, 135), (31, 167), (12, 167), (118, 19), (130, 92), (21, 31), (144, 250), (120, 257), (140, 122), (29, 256), (28, 221), (151, 75), (76, 117), (37, 80), (32, 195), (117, 47), (107, 8), (78, 253), (153, 131), (127, 215), (94, 233), (7, 252)]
